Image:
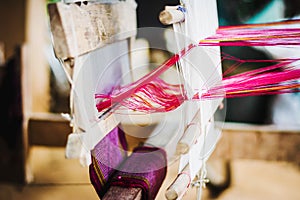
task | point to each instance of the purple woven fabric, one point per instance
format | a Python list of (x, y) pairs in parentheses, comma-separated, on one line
[(107, 156), (146, 168)]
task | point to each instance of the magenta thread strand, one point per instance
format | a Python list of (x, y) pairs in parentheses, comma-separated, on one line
[(151, 94)]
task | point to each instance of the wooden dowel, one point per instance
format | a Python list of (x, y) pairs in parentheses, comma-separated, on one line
[(171, 15), (180, 185), (188, 139), (190, 135)]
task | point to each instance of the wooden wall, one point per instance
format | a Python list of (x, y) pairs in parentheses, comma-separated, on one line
[(12, 23)]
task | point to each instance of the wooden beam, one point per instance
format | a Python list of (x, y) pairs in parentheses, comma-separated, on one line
[(48, 129), (79, 29), (238, 141), (121, 193), (264, 142)]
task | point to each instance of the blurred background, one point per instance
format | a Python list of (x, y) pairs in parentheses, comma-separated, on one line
[(25, 39)]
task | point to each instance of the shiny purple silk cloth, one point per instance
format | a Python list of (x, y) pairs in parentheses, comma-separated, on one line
[(145, 168), (107, 156)]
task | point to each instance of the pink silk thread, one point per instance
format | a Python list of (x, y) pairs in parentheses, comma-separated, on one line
[(152, 94)]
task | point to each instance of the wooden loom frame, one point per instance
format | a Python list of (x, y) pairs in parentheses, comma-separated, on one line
[(270, 142)]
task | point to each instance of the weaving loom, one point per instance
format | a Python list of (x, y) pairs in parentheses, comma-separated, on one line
[(94, 41)]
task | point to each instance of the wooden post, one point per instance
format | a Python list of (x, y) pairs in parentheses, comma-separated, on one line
[(37, 65), (14, 120)]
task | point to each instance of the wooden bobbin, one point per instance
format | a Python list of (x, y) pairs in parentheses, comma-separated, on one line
[(171, 15), (188, 139), (190, 135), (179, 186)]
